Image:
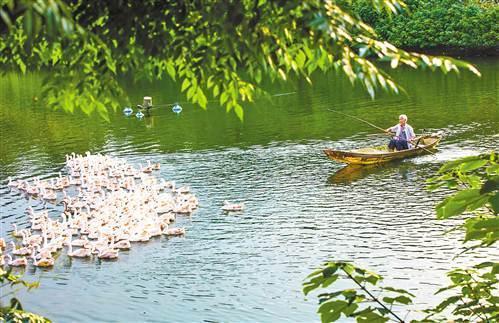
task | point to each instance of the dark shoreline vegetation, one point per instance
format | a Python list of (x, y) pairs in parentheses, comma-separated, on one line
[(457, 52), (438, 27)]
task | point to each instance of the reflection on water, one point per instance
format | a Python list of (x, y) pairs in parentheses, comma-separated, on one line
[(301, 208), (352, 173)]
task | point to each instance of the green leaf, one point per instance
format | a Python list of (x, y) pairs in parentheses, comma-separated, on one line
[(373, 279), (328, 281), (472, 165), (327, 296), (223, 97), (348, 268), (484, 265), (388, 300), (349, 294), (453, 164), (395, 61), (448, 301), (5, 18), (398, 290), (329, 270), (494, 203), (350, 309), (474, 235), (478, 202), (238, 109), (495, 269), (490, 186), (185, 85), (170, 69), (330, 316), (331, 311), (308, 288), (21, 65), (493, 169), (300, 59), (315, 273), (312, 284), (372, 317), (403, 300), (457, 203), (201, 98), (492, 223)]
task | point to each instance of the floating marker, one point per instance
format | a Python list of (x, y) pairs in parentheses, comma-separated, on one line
[(139, 115), (127, 111), (177, 108)]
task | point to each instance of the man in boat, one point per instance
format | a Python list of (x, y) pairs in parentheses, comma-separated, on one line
[(404, 134)]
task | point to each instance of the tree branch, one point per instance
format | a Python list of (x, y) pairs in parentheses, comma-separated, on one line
[(372, 296)]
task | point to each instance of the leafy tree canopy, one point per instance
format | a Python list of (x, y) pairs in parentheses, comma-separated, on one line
[(214, 49)]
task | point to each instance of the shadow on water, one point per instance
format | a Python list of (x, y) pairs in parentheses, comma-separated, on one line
[(353, 173)]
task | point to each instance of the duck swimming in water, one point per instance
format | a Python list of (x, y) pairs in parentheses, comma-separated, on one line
[(174, 231), (232, 207), (135, 207), (19, 262), (80, 253)]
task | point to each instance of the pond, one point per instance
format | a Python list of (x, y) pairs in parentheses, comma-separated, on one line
[(301, 208)]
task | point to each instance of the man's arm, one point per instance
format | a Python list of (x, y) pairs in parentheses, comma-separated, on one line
[(412, 135), (391, 129)]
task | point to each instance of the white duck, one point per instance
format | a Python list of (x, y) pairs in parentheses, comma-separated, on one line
[(41, 253), (17, 233), (108, 253), (174, 231), (79, 242), (24, 251), (121, 244), (19, 262), (232, 206), (80, 253), (43, 262)]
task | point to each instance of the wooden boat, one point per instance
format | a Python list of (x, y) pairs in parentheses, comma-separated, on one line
[(377, 155)]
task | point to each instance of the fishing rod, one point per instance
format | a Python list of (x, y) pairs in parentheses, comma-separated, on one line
[(379, 128), (359, 119)]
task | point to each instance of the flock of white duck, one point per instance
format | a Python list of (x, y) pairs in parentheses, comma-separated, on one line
[(108, 205)]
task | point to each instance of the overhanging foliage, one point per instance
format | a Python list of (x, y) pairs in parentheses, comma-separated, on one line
[(214, 49)]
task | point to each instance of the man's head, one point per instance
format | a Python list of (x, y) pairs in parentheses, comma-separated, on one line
[(402, 119)]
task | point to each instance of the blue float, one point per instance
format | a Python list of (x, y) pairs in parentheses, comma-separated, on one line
[(127, 111), (139, 115), (177, 108)]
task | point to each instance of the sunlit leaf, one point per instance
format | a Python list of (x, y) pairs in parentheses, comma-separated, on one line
[(494, 203), (472, 165), (457, 203)]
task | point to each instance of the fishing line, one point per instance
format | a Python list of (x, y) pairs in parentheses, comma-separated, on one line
[(187, 102)]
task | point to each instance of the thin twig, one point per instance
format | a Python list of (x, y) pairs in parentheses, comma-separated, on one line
[(475, 314), (477, 298), (372, 296)]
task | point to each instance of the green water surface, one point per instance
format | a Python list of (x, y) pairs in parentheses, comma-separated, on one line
[(301, 208)]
